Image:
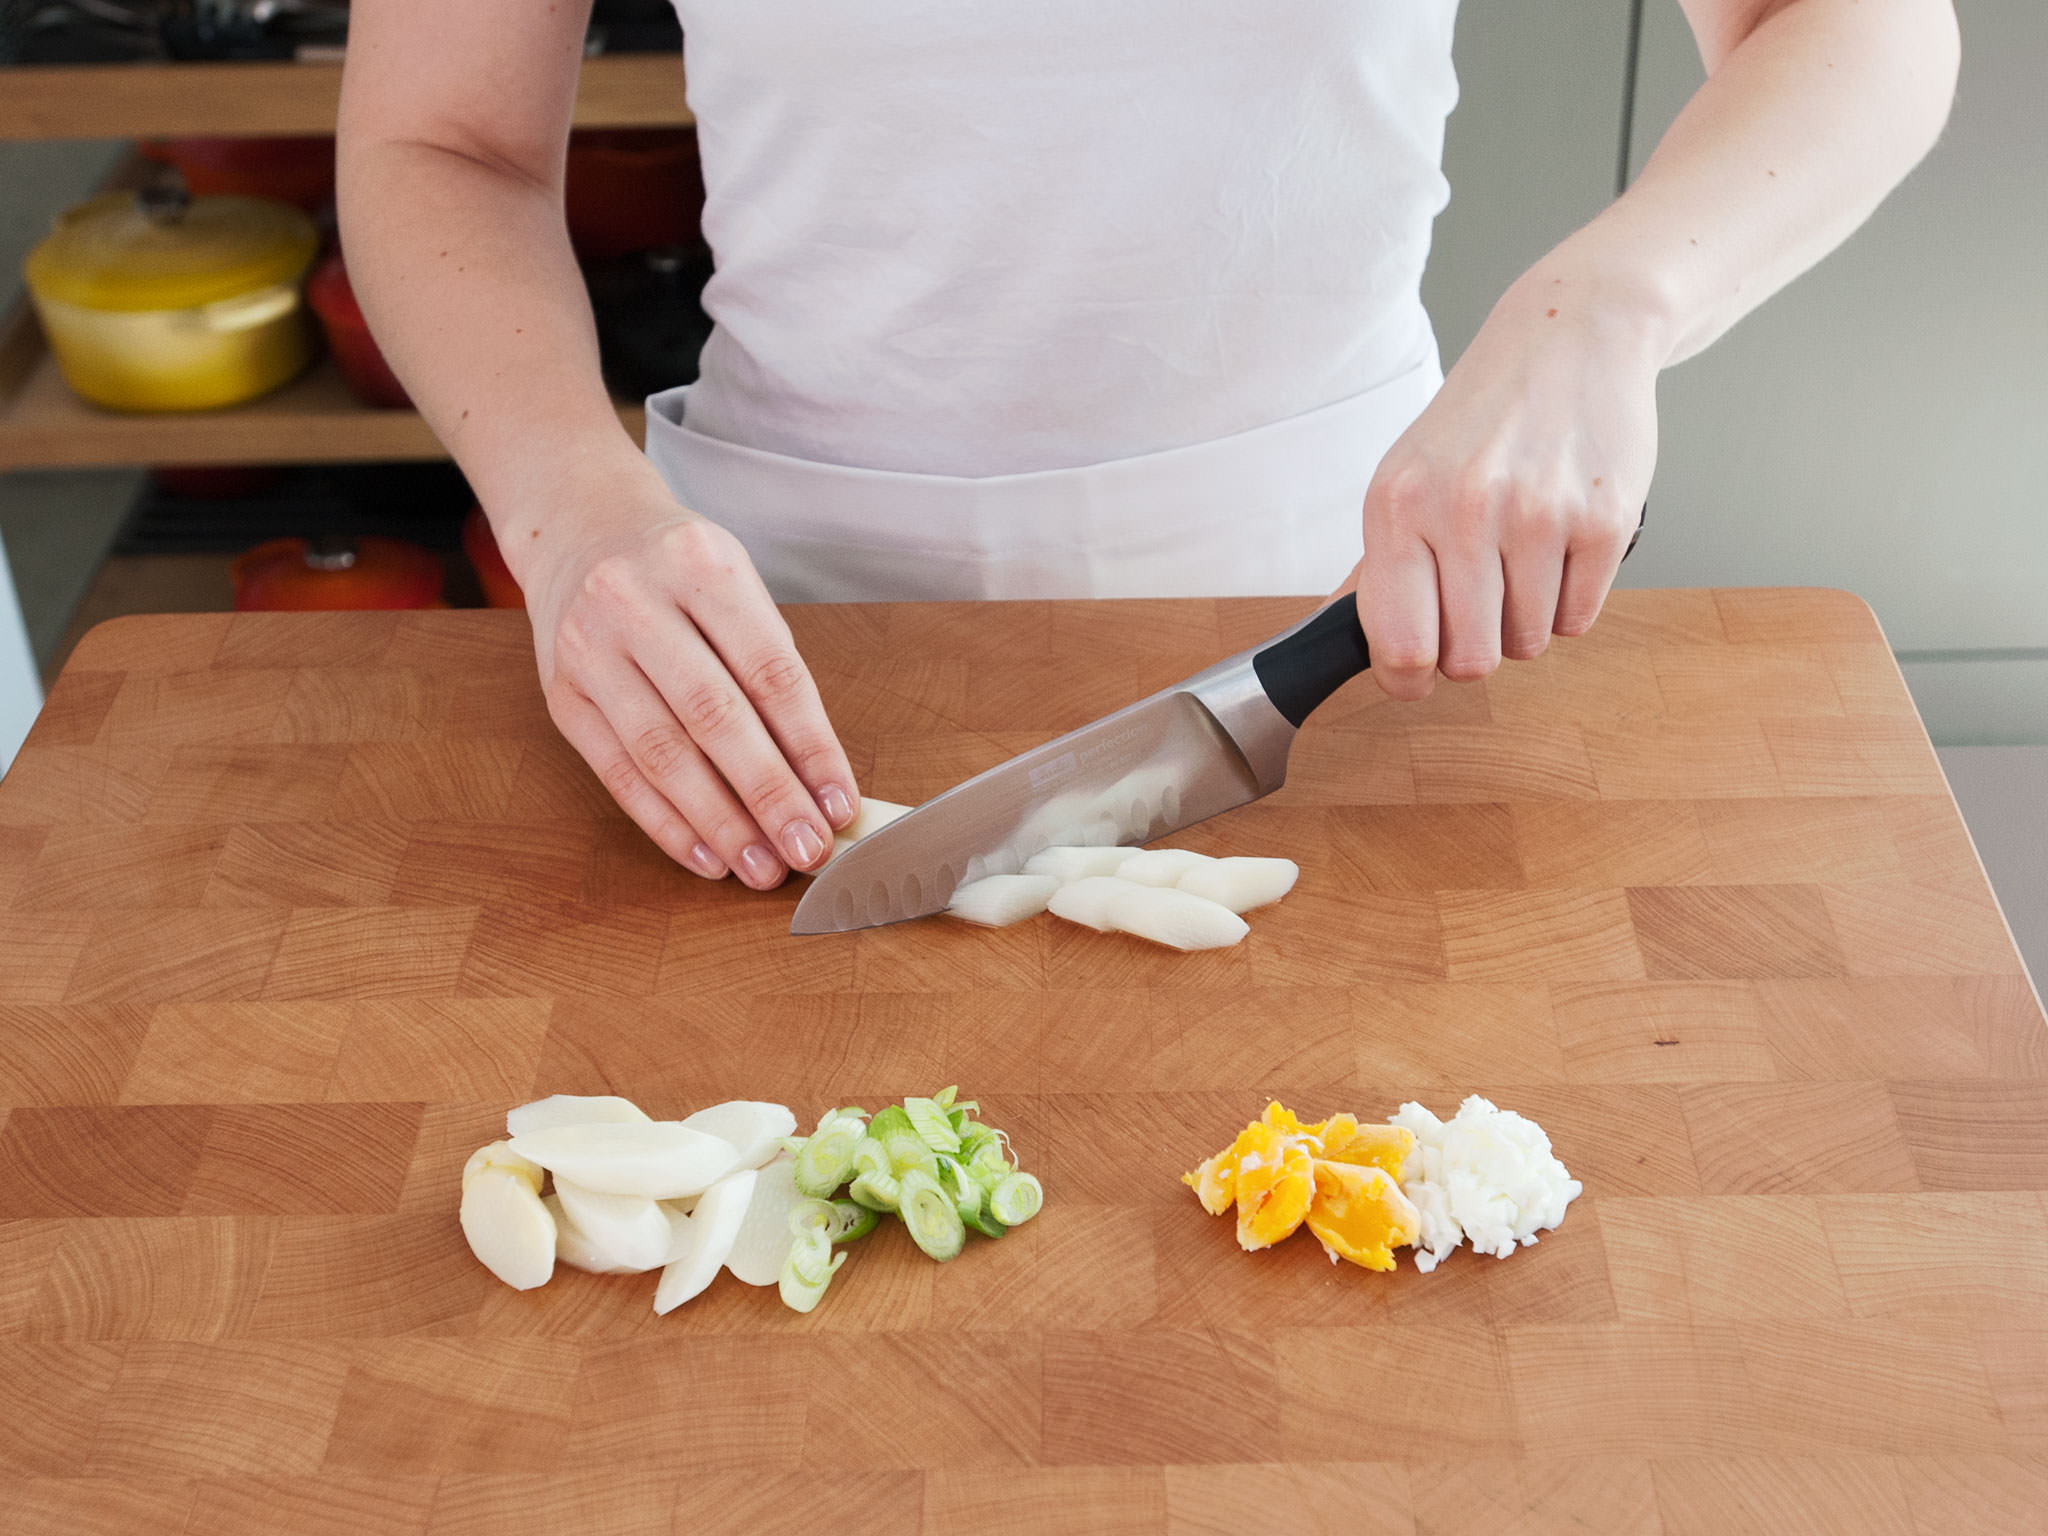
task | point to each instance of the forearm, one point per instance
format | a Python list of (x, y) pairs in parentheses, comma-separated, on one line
[(1801, 129), (465, 271)]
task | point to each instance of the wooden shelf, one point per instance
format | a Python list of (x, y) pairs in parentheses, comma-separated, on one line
[(314, 420), (125, 101)]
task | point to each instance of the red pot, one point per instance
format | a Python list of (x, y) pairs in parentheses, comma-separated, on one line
[(298, 171), (216, 482), (355, 350), (492, 574), (296, 576), (631, 188)]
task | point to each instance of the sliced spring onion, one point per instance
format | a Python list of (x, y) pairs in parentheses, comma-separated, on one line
[(1015, 1200), (825, 1161), (929, 1119), (876, 1191), (809, 1268), (897, 1135), (985, 1224), (855, 1221), (890, 1122), (870, 1156), (961, 1187), (991, 1157), (931, 1216)]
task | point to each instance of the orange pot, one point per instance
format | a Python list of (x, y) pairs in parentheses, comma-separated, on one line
[(492, 574), (297, 576)]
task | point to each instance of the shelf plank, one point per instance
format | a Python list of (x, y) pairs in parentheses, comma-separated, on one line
[(121, 101), (314, 420)]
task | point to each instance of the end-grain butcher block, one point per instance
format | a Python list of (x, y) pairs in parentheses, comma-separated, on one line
[(293, 909)]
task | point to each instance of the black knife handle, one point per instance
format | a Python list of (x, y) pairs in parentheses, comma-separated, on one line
[(1301, 669)]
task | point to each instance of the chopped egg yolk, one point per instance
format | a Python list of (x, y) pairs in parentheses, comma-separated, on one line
[(1275, 1183), (1338, 1176), (1360, 1214), (1367, 1146)]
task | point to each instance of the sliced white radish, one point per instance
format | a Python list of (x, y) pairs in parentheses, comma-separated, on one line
[(1070, 821), (499, 1155), (872, 816), (1161, 866), (755, 1128), (572, 1109), (508, 1229), (1090, 902), (630, 1232), (661, 1159), (1241, 884), (764, 1236), (573, 1248), (704, 1239), (997, 901), (1175, 918), (1067, 865), (681, 1207)]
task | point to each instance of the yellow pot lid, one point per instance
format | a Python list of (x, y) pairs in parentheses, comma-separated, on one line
[(123, 252)]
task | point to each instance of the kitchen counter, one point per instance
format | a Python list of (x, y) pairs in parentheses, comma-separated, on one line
[(293, 907)]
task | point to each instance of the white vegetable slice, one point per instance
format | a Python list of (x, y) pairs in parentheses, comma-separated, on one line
[(661, 1159), (1161, 866), (572, 1247), (764, 1235), (872, 816), (1090, 902), (754, 1127), (1176, 919), (1070, 821), (1241, 884), (499, 1155), (507, 1227), (1000, 900), (704, 1239), (1067, 865), (630, 1232), (572, 1109)]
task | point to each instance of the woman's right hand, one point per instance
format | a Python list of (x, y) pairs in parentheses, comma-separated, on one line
[(666, 664)]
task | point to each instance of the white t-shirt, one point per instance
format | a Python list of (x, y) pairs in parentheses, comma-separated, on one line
[(962, 237)]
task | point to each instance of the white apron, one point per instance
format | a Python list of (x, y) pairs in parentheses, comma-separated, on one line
[(1063, 299), (1275, 510)]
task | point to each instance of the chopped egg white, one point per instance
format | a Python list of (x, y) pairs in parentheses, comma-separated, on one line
[(1487, 1176)]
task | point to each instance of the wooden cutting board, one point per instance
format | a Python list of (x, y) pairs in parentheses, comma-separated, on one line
[(293, 908)]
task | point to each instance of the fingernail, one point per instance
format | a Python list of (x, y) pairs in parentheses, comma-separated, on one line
[(837, 805), (706, 863), (802, 843), (759, 865)]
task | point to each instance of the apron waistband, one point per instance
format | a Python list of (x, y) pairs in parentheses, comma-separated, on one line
[(1269, 511)]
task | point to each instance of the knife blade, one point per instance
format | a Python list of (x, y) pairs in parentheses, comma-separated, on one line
[(1217, 740)]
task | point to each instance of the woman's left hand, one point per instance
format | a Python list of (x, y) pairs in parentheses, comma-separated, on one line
[(1499, 517)]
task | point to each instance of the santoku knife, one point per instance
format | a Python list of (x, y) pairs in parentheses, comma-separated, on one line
[(1185, 754), (1218, 740)]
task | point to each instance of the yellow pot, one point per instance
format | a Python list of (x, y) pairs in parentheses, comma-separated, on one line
[(168, 303)]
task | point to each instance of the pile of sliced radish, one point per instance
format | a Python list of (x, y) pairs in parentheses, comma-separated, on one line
[(731, 1187), (1172, 896), (631, 1194)]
